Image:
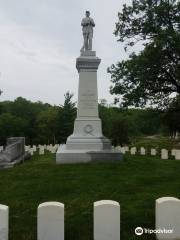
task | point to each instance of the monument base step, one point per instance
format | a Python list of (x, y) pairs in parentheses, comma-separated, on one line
[(66, 156), (88, 144)]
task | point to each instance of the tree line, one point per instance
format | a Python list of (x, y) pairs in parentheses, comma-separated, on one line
[(38, 122), (42, 123)]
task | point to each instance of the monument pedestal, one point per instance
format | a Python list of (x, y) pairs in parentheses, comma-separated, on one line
[(87, 142)]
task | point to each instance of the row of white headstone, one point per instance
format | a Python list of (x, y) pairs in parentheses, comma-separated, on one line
[(50, 220), (41, 148), (153, 152)]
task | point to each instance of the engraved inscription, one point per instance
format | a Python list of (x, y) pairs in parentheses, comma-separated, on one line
[(88, 100), (3, 234)]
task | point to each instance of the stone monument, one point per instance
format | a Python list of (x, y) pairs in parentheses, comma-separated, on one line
[(14, 152), (87, 142)]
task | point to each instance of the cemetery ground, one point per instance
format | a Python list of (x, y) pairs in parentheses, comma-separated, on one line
[(135, 183), (156, 141)]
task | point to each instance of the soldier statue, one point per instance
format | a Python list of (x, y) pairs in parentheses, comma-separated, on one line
[(87, 29)]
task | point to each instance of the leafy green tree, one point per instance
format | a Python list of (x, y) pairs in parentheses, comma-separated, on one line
[(172, 117), (0, 105), (42, 123), (27, 109), (105, 115), (152, 75), (47, 125), (11, 126), (29, 112), (122, 125), (115, 124), (119, 131), (67, 114), (144, 121)]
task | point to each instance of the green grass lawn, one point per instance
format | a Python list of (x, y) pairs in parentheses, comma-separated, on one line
[(135, 183), (157, 142)]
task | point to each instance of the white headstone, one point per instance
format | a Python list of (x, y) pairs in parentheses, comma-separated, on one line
[(133, 150), (106, 220), (50, 148), (41, 151), (153, 152), (164, 154), (50, 221), (118, 148), (123, 151), (177, 155), (126, 148), (173, 152), (4, 222), (34, 148), (168, 218), (31, 151), (56, 147), (27, 148), (142, 151), (53, 149)]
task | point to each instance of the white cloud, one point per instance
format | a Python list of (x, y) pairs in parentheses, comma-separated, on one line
[(39, 43)]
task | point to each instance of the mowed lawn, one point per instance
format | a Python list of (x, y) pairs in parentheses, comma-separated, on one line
[(135, 183)]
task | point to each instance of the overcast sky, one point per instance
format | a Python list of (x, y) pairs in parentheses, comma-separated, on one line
[(40, 41)]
